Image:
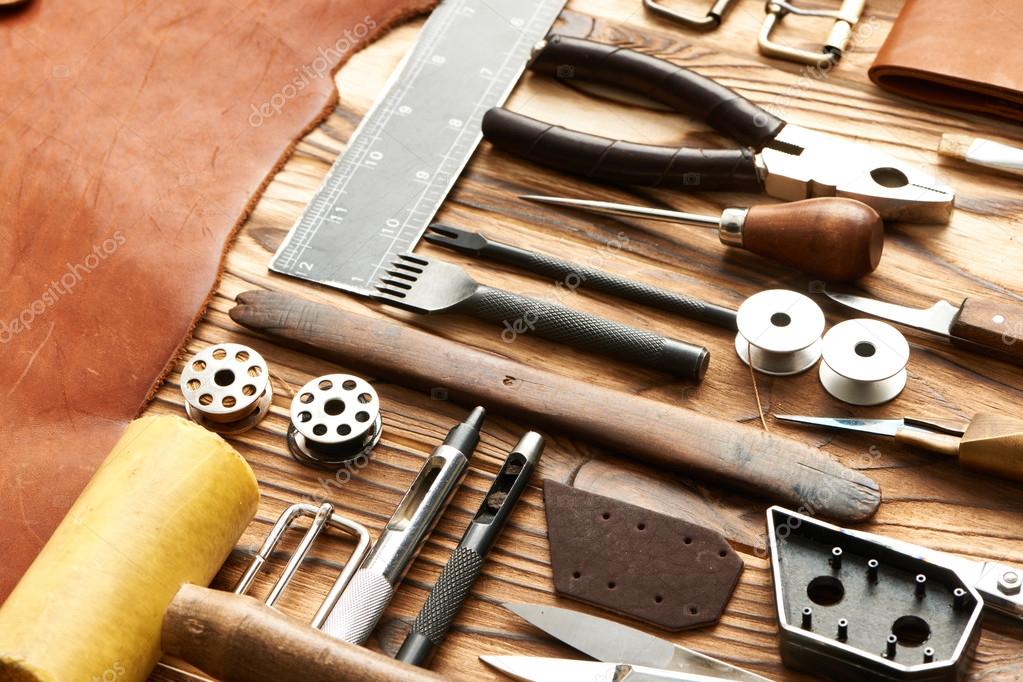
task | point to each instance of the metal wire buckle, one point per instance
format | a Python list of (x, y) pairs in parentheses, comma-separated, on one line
[(706, 23), (845, 18), (322, 516)]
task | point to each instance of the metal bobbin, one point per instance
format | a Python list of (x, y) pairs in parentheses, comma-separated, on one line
[(779, 332), (226, 388), (334, 419), (864, 362)]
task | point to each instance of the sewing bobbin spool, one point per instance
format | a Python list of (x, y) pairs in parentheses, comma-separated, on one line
[(226, 388), (864, 362), (334, 419), (779, 332)]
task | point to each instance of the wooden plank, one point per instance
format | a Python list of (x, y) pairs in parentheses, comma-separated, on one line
[(927, 500)]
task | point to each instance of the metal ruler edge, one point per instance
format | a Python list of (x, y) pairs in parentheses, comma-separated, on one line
[(289, 257)]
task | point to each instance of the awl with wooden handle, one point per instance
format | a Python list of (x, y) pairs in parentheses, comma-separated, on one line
[(833, 238), (674, 438), (989, 442)]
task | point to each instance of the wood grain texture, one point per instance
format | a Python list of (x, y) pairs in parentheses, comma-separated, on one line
[(927, 499)]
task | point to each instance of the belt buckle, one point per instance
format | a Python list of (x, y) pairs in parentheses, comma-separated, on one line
[(708, 22), (831, 51)]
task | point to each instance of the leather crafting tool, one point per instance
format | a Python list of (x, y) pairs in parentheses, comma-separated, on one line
[(166, 508), (778, 158), (993, 328), (355, 615), (829, 237), (653, 567), (859, 606), (981, 152), (424, 285), (779, 332), (863, 362), (632, 653), (989, 442), (119, 581), (235, 638), (334, 419), (466, 562), (845, 18), (660, 434), (227, 388), (589, 279), (409, 149)]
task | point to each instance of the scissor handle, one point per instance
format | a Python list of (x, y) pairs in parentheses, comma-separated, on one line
[(685, 91)]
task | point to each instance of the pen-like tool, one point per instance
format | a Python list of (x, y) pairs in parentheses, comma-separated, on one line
[(466, 562), (363, 602)]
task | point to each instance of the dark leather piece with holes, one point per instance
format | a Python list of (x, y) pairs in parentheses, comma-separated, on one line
[(135, 137), (656, 568)]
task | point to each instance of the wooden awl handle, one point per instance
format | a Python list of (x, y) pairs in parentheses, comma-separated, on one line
[(833, 238), (674, 438), (239, 639)]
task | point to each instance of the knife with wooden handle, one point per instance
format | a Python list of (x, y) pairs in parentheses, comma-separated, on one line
[(673, 438), (978, 324)]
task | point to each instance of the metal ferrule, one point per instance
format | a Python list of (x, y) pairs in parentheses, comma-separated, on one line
[(730, 228), (417, 513)]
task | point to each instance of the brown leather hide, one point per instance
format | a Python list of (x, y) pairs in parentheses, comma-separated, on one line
[(134, 137)]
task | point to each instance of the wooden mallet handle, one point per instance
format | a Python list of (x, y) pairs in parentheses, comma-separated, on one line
[(239, 639), (676, 439), (835, 239)]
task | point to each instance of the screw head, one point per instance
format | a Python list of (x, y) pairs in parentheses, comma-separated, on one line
[(1010, 583)]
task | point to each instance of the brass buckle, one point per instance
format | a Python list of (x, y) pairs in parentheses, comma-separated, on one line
[(706, 23), (845, 18)]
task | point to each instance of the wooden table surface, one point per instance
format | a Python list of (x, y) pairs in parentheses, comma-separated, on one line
[(926, 499)]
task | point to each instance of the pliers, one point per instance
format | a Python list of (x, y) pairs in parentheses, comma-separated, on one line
[(778, 158)]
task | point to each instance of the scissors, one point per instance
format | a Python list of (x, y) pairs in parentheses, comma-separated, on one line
[(624, 654)]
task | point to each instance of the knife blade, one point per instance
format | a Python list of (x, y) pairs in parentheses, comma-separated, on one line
[(612, 642), (990, 327), (937, 319), (539, 669)]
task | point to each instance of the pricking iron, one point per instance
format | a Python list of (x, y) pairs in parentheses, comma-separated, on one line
[(322, 517), (858, 606)]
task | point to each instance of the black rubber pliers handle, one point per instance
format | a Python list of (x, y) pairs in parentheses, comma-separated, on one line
[(623, 162)]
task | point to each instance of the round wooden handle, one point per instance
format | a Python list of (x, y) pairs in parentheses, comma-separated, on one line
[(236, 638), (835, 239)]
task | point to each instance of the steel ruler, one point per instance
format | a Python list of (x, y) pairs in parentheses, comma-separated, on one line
[(410, 148)]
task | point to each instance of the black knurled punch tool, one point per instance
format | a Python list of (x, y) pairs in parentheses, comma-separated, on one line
[(778, 158)]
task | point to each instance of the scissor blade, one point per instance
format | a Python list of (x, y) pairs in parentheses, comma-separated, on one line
[(937, 319), (881, 427), (609, 641), (538, 669)]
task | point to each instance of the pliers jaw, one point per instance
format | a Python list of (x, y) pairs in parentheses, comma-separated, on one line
[(800, 163)]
